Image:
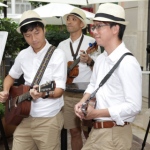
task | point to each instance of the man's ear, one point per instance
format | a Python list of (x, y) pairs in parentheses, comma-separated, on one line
[(116, 29), (82, 24), (44, 31)]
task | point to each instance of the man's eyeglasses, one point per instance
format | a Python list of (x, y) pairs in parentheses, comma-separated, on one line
[(97, 27)]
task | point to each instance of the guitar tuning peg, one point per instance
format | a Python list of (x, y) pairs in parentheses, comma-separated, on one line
[(90, 44)]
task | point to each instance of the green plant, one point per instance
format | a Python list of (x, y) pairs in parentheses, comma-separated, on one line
[(2, 110), (37, 4), (56, 34), (15, 41)]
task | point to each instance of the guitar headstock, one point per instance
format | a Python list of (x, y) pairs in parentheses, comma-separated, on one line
[(92, 48), (48, 86)]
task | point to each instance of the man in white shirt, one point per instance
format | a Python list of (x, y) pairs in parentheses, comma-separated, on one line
[(41, 130), (119, 100), (74, 48)]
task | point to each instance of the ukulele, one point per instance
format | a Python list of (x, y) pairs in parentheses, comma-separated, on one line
[(92, 102), (73, 68), (85, 105), (19, 102)]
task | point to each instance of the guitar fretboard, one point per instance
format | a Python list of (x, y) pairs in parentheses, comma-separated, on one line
[(73, 65)]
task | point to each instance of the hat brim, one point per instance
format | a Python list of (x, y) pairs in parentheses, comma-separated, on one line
[(42, 21), (109, 20), (84, 22)]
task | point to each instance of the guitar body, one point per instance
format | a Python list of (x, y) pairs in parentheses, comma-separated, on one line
[(88, 123), (73, 68), (72, 73), (17, 112), (19, 102), (92, 102)]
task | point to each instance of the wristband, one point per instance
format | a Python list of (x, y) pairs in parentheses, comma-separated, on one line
[(46, 95), (51, 94), (91, 63)]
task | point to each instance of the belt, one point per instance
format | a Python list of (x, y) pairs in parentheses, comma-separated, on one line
[(106, 124)]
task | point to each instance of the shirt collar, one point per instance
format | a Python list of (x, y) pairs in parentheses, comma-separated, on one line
[(77, 40), (117, 53)]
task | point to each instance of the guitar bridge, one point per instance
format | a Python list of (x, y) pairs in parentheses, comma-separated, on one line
[(84, 108)]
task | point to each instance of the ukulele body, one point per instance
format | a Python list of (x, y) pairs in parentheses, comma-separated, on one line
[(72, 73)]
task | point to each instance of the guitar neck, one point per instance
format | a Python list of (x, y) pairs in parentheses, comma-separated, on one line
[(25, 96), (73, 65), (93, 47)]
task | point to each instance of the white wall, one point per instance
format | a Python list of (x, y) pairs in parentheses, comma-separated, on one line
[(136, 34)]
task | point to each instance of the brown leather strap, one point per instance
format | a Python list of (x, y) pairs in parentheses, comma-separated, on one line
[(107, 124), (71, 48)]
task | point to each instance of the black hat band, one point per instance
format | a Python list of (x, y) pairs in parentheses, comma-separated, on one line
[(109, 17), (76, 15), (28, 20)]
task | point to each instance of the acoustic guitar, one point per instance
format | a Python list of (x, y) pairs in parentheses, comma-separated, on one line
[(73, 69), (92, 102), (19, 102)]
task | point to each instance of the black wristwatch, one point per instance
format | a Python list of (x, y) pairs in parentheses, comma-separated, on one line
[(46, 95), (91, 63)]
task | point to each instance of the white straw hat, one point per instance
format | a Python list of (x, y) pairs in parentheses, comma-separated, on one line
[(79, 14), (28, 17), (109, 12)]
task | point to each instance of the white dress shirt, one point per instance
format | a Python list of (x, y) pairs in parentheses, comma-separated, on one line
[(27, 62), (84, 70), (122, 92)]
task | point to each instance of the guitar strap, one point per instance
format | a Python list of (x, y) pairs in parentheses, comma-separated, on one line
[(71, 48), (43, 66), (107, 76)]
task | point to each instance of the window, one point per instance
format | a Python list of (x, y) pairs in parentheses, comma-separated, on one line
[(20, 6)]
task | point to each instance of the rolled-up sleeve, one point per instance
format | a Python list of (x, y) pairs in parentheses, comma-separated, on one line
[(16, 71)]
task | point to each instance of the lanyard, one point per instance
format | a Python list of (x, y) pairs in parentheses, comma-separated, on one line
[(71, 48)]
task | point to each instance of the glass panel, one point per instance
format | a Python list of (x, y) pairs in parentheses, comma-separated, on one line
[(28, 7), (22, 8), (9, 9), (18, 1), (17, 10)]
